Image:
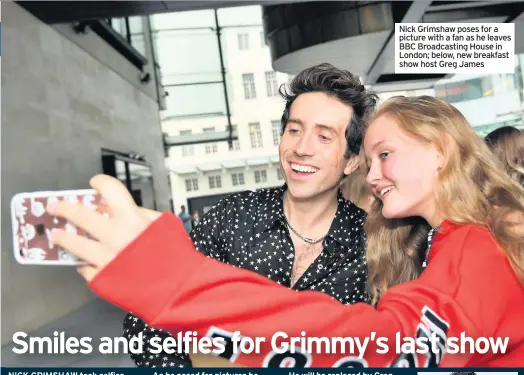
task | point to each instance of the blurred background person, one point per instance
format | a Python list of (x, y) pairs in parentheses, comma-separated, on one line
[(186, 218), (196, 218), (507, 143)]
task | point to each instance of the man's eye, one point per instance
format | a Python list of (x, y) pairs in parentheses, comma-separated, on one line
[(324, 138), (293, 131), (384, 155)]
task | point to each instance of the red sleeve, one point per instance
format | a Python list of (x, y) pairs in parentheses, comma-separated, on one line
[(178, 289)]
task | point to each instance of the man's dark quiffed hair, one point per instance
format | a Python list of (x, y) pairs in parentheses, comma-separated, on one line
[(341, 85)]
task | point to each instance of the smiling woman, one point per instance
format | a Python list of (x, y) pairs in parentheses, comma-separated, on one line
[(422, 154), (396, 175)]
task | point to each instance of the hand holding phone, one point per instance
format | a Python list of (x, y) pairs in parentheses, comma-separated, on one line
[(32, 225)]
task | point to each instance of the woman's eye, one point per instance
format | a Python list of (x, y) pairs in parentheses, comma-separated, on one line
[(383, 155)]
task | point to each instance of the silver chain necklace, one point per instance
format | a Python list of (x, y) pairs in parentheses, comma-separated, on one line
[(305, 239), (428, 250)]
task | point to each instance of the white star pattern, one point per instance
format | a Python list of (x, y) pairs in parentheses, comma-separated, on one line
[(244, 230)]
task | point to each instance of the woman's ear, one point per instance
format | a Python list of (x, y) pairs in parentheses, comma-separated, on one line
[(441, 155), (441, 162)]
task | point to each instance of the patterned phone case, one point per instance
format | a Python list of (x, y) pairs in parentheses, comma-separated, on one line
[(32, 226)]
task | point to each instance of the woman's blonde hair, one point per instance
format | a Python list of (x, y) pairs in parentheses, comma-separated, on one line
[(471, 189), (507, 143), (355, 188)]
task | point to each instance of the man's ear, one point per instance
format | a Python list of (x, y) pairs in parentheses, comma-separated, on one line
[(351, 165)]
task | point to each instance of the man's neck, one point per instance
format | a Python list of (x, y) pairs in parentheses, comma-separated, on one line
[(313, 217)]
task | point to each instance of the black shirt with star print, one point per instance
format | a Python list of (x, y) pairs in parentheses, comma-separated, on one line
[(248, 230)]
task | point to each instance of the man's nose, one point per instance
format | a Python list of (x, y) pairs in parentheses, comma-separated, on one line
[(305, 145)]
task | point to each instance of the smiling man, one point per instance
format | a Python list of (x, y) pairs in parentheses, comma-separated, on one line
[(303, 235)]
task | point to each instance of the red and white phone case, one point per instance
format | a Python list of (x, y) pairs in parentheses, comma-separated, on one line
[(32, 226)]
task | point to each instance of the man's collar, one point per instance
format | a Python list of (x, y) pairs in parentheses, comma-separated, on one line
[(273, 207), (344, 221), (349, 218)]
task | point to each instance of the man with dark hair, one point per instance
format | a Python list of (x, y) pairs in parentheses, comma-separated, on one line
[(337, 84), (304, 235)]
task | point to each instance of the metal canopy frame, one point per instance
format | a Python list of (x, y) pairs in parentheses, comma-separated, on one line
[(227, 136)]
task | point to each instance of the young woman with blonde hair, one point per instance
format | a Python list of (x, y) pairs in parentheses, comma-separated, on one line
[(468, 187), (434, 179)]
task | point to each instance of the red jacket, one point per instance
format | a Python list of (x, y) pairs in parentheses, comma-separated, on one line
[(468, 288)]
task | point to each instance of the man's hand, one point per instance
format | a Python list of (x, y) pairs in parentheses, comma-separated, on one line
[(125, 222)]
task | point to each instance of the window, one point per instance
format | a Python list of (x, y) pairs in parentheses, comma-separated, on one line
[(275, 128), (271, 84), (191, 184), (249, 86), (280, 176), (509, 82), (131, 29), (187, 150), (236, 142), (455, 92), (237, 179), (243, 41), (255, 135), (215, 182), (136, 175), (487, 86), (260, 176), (211, 148)]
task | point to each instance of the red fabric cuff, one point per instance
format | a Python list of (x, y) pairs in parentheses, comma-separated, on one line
[(144, 276)]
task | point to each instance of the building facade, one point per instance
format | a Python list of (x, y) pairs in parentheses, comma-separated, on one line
[(201, 174), (487, 101), (199, 102), (73, 98)]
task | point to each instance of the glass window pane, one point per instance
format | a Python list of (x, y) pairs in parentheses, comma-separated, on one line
[(189, 78), (135, 25), (137, 41), (195, 100), (119, 24), (142, 185), (235, 16), (182, 62), (178, 20)]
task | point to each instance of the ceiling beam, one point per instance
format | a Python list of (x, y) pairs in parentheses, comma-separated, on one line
[(413, 15), (193, 139), (52, 12), (469, 4)]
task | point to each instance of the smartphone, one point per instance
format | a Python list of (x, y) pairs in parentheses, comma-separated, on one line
[(32, 225)]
